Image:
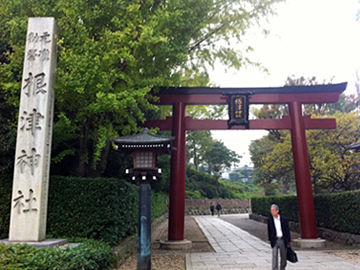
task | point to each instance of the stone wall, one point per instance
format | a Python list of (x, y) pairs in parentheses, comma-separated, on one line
[(196, 207), (203, 211), (331, 235)]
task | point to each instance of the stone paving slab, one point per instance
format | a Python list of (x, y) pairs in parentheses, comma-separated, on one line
[(237, 249)]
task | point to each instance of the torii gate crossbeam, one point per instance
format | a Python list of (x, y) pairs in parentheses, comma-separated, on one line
[(294, 96)]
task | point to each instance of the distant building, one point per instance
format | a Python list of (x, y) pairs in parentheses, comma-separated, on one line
[(243, 174)]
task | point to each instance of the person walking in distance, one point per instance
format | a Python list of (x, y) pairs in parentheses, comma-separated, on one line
[(279, 237), (218, 208), (212, 208)]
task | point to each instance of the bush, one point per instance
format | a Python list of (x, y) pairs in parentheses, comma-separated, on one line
[(90, 254), (287, 204), (192, 194), (158, 205), (5, 204), (101, 209), (337, 211), (95, 208), (208, 185)]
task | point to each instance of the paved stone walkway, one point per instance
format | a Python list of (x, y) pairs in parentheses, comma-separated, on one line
[(237, 249)]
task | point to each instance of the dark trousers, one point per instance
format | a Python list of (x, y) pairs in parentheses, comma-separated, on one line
[(283, 252)]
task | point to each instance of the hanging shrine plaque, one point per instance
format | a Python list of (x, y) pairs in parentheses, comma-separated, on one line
[(239, 110)]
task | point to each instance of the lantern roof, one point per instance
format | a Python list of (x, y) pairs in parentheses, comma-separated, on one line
[(145, 141)]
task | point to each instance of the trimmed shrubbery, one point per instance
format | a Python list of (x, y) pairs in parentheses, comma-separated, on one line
[(287, 204), (101, 209), (158, 206), (90, 254), (5, 204), (337, 211)]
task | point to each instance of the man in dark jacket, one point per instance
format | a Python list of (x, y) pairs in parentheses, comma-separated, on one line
[(279, 237), (218, 208), (212, 208)]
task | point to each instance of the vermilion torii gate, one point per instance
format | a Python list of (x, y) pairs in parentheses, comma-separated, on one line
[(294, 96)]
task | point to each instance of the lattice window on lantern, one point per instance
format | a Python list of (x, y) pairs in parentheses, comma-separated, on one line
[(144, 159)]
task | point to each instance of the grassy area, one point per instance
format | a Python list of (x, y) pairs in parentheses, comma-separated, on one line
[(242, 190)]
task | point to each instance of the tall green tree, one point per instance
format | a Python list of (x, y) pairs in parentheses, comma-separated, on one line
[(112, 53), (333, 168), (7, 137), (271, 180), (272, 155), (198, 143), (220, 157)]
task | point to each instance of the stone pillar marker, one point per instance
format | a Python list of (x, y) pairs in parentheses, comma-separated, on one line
[(33, 144)]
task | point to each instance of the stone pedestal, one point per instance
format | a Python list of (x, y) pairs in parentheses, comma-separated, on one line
[(309, 243), (176, 245), (50, 243)]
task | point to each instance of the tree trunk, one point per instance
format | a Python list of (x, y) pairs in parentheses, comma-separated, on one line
[(286, 187), (80, 166), (101, 166), (196, 161)]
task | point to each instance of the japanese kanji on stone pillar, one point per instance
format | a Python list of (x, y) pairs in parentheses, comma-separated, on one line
[(33, 145)]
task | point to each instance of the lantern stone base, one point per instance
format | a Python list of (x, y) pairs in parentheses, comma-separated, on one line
[(50, 243), (176, 245), (309, 243)]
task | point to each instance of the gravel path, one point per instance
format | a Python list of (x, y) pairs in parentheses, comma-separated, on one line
[(172, 259), (158, 262)]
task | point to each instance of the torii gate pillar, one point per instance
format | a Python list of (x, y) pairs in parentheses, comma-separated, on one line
[(176, 235), (302, 173), (177, 184)]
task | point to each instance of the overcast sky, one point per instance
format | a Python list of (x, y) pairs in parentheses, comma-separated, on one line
[(307, 38)]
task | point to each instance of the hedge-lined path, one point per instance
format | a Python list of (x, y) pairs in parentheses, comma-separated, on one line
[(237, 249)]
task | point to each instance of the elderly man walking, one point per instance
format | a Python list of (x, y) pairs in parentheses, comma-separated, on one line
[(279, 237)]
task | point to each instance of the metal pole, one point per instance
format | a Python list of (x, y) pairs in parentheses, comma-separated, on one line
[(144, 228), (302, 173)]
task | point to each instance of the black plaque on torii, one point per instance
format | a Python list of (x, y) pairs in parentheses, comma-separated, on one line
[(238, 109)]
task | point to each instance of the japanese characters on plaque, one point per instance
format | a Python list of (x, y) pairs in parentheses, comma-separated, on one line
[(32, 159), (239, 110)]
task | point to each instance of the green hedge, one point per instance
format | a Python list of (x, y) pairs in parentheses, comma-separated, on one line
[(158, 206), (101, 209), (5, 204), (287, 204), (337, 211), (90, 254)]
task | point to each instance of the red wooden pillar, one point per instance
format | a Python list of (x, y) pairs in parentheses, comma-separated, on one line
[(177, 184), (302, 173)]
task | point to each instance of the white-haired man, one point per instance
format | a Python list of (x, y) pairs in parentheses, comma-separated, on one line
[(279, 237)]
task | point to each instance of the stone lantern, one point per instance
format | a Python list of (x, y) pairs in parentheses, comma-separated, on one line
[(145, 147)]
